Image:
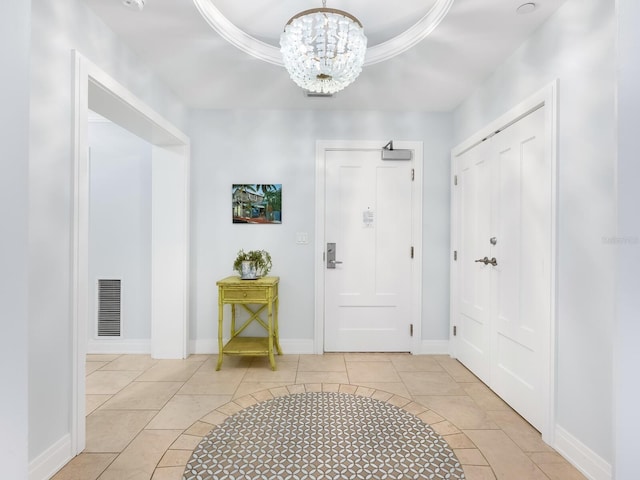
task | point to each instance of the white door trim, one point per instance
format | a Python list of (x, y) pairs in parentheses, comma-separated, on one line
[(416, 225), (547, 97), (89, 81)]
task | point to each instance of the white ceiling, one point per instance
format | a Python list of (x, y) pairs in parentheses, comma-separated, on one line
[(266, 22), (206, 71)]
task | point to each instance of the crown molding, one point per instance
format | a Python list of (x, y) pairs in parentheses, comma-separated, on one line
[(270, 54), (410, 37)]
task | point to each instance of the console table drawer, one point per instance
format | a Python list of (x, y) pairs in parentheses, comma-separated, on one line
[(244, 295)]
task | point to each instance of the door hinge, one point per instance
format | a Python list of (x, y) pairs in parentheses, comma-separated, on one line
[(413, 174), (455, 330), (455, 179), (455, 255), (411, 329), (411, 252)]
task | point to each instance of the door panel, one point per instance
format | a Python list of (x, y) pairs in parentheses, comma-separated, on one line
[(522, 279), (474, 224), (368, 216)]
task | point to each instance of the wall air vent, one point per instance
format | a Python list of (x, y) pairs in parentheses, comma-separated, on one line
[(310, 94), (109, 296)]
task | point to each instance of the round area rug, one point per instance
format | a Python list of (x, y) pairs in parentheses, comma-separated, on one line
[(323, 435)]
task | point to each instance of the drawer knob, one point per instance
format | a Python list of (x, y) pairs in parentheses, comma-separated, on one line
[(244, 294)]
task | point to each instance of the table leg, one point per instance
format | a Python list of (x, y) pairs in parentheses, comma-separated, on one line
[(233, 320), (270, 333), (220, 354), (275, 330)]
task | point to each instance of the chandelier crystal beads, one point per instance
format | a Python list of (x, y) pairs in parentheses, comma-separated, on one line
[(323, 49)]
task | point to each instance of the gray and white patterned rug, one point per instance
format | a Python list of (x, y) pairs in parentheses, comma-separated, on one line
[(323, 435)]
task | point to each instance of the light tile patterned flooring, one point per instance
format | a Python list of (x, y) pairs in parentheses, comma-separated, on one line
[(145, 416)]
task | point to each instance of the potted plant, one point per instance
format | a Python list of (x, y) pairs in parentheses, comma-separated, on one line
[(252, 264)]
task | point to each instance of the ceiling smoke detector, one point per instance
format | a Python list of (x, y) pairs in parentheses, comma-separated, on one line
[(139, 4), (526, 8)]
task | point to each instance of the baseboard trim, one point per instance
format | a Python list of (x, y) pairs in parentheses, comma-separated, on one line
[(291, 346), (203, 347), (582, 457), (119, 346), (299, 346), (434, 347), (303, 346), (51, 460)]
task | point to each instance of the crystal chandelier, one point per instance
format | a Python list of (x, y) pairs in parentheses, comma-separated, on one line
[(323, 49)]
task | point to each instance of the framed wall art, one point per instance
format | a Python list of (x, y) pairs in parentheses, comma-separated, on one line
[(254, 203)]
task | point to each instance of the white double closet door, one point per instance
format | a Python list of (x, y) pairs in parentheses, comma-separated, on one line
[(502, 305)]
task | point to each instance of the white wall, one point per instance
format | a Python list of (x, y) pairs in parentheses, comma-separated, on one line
[(279, 147), (170, 251), (120, 224), (57, 28), (577, 46), (627, 332), (14, 130)]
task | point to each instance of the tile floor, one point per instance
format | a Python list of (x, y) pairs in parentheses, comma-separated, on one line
[(145, 416)]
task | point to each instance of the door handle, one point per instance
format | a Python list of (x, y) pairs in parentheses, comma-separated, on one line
[(331, 256), (486, 261)]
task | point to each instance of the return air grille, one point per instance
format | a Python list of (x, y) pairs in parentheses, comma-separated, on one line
[(109, 308)]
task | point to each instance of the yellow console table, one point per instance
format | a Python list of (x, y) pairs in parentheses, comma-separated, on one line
[(262, 292)]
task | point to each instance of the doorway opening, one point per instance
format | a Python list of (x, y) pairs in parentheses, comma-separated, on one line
[(119, 239), (170, 158)]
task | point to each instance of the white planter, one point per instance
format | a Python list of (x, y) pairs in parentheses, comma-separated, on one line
[(248, 271)]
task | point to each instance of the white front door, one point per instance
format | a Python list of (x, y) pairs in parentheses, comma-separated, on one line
[(368, 217), (504, 308)]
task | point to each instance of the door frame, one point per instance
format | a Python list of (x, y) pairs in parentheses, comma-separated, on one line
[(546, 97), (322, 146), (93, 87)]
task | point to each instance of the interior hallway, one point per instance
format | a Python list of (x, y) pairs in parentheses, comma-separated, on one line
[(145, 416)]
